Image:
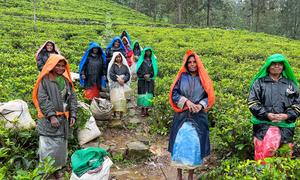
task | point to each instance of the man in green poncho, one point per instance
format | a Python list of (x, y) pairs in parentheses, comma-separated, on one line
[(275, 104)]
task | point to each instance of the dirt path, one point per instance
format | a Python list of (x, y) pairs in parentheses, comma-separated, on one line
[(117, 133)]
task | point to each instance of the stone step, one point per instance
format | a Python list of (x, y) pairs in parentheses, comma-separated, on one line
[(137, 151)]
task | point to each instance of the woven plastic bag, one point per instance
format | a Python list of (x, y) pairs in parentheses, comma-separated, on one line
[(186, 150), (101, 173), (16, 110), (101, 109), (89, 132)]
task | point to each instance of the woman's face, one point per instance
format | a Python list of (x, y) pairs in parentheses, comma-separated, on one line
[(192, 64), (60, 67), (49, 47), (136, 45), (95, 50), (119, 58), (148, 53), (117, 44), (276, 68), (124, 42)]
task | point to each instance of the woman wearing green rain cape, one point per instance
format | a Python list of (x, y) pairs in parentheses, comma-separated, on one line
[(275, 105), (146, 70)]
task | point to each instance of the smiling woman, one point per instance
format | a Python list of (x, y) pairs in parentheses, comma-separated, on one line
[(55, 101), (275, 70), (275, 104), (60, 68), (42, 55)]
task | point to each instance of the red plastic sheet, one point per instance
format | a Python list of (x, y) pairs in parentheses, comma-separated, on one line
[(268, 146), (91, 92)]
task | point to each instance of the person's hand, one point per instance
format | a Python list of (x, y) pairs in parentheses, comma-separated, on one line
[(120, 81), (54, 121), (72, 121), (273, 117), (83, 76), (147, 77), (134, 77), (277, 117), (198, 107), (282, 116), (193, 107)]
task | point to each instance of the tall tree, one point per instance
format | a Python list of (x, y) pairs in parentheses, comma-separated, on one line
[(208, 13), (271, 16)]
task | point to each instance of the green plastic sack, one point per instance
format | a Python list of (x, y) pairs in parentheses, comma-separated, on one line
[(87, 159), (145, 100)]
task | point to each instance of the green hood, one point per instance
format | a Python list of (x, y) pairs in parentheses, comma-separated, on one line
[(153, 58), (132, 46), (287, 71)]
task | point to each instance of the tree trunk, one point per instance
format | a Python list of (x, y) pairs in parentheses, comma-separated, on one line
[(295, 20), (258, 10), (208, 13), (136, 5), (257, 21), (179, 19), (34, 16), (252, 15)]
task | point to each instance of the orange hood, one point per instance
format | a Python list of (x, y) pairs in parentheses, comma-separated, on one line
[(204, 78), (50, 64)]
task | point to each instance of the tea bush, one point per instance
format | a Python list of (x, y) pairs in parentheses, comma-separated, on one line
[(275, 168)]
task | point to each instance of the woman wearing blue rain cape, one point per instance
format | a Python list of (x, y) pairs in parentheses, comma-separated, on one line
[(125, 33), (191, 96), (116, 45), (92, 70)]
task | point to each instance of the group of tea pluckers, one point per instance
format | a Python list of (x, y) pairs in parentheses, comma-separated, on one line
[(273, 99)]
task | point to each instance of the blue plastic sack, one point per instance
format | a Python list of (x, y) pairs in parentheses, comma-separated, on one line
[(186, 150)]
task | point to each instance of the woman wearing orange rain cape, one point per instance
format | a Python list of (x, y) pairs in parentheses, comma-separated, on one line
[(191, 96), (55, 100)]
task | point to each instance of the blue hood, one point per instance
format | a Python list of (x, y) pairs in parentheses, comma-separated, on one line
[(117, 38), (84, 58)]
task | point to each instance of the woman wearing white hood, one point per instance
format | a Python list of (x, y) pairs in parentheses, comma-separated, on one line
[(119, 82)]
